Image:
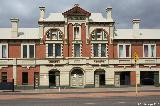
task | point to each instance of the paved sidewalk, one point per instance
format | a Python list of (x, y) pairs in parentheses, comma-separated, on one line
[(86, 90)]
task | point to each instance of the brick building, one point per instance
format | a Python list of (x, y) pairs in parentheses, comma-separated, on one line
[(77, 48)]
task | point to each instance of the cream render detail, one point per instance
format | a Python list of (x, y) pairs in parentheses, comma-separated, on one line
[(77, 48)]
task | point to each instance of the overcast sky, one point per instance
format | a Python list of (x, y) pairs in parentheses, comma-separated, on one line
[(123, 10)]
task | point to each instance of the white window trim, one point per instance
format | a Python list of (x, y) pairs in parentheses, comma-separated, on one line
[(6, 49), (99, 50), (27, 49), (124, 51), (149, 50), (80, 50), (54, 51)]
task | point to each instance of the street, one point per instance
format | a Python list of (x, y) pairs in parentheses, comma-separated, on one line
[(106, 101)]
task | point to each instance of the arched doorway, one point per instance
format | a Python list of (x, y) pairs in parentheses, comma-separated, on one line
[(77, 77), (99, 78), (54, 78)]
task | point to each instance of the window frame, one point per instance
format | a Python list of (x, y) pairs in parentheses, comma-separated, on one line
[(124, 50), (28, 50), (1, 54), (54, 50), (79, 50), (149, 50)]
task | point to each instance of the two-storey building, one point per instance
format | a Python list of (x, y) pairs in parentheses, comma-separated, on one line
[(77, 48)]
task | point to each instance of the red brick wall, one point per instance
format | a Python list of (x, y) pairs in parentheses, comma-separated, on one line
[(158, 50), (70, 34), (138, 48), (14, 50), (86, 49), (30, 71), (9, 71), (40, 51), (133, 77)]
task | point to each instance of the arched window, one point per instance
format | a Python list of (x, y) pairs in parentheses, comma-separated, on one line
[(98, 34), (54, 34)]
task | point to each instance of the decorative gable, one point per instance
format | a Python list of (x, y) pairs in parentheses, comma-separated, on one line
[(76, 11)]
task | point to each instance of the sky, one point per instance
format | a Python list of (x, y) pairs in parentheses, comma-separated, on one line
[(123, 11)]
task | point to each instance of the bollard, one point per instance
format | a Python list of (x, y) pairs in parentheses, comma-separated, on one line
[(59, 89)]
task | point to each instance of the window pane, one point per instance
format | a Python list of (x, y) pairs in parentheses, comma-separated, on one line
[(4, 76), (120, 50), (57, 50), (145, 50), (95, 50), (103, 50), (76, 32), (50, 50), (127, 50), (4, 51), (77, 50), (98, 33), (31, 51), (152, 50), (24, 51)]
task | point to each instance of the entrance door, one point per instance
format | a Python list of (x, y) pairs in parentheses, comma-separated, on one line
[(125, 78), (117, 79), (25, 78), (99, 78), (36, 80), (54, 78), (77, 78)]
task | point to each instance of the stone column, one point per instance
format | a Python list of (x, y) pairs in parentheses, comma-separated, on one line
[(109, 76), (64, 78)]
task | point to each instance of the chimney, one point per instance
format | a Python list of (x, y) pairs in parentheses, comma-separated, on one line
[(109, 14), (42, 13), (14, 29), (136, 31), (136, 23)]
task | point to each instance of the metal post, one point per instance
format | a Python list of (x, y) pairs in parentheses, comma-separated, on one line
[(12, 85), (136, 86)]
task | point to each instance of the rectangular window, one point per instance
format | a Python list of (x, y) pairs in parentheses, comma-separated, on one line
[(4, 51), (50, 49), (25, 78), (76, 32), (153, 51), (4, 76), (149, 50), (57, 50), (124, 50), (24, 51), (77, 50), (127, 50), (31, 51), (146, 51), (120, 50), (95, 50), (103, 50)]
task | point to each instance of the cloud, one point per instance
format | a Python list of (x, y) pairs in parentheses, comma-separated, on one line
[(123, 10)]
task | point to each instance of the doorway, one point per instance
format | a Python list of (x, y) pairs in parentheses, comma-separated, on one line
[(24, 78), (54, 78), (149, 77), (77, 78), (99, 78)]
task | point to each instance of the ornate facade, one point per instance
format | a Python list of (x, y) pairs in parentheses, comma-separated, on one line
[(77, 48)]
